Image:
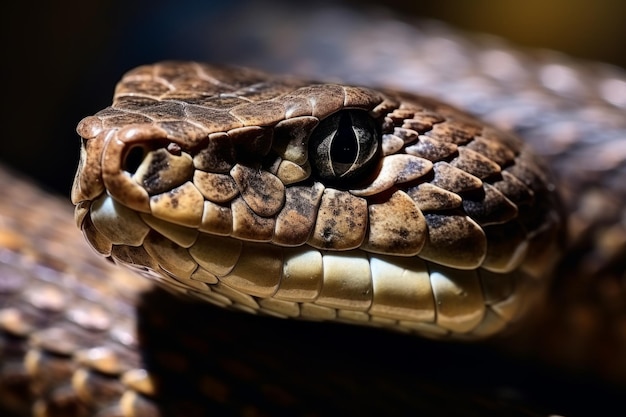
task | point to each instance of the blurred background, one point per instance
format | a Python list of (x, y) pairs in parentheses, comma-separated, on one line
[(62, 61)]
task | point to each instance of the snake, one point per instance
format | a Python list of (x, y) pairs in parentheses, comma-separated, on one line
[(333, 203)]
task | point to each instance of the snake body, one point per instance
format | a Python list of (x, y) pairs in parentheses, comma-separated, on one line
[(77, 343)]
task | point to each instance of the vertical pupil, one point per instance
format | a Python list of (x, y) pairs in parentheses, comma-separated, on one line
[(344, 147)]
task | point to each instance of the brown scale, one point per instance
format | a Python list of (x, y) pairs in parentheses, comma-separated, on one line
[(454, 179), (475, 164), (296, 220), (489, 206), (429, 197), (182, 130), (248, 225), (492, 150), (291, 138), (422, 121), (454, 238), (432, 149), (250, 141), (217, 156), (212, 120), (396, 227), (131, 103), (341, 221), (454, 131), (216, 219), (161, 171), (263, 192), (395, 169), (218, 188)]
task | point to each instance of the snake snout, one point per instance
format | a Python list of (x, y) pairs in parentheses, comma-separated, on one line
[(131, 158)]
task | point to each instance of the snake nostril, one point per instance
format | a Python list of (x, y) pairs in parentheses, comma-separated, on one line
[(134, 158)]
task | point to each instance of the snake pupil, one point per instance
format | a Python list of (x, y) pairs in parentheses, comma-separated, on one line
[(344, 145)]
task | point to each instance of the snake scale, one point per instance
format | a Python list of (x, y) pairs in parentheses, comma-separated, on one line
[(83, 344)]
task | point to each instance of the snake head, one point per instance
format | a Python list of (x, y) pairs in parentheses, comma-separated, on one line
[(315, 200)]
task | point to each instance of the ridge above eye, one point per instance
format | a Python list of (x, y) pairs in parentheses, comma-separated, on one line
[(344, 146)]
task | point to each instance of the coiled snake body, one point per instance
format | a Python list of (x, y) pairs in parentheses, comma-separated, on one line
[(296, 199)]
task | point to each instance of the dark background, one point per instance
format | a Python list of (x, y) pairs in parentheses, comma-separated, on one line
[(61, 61)]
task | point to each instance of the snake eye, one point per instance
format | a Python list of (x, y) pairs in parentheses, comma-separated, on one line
[(344, 146)]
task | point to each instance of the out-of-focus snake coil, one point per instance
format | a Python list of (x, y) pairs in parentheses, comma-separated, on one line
[(325, 202)]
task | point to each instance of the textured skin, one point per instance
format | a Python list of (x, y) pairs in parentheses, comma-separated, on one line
[(582, 326), (443, 188)]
